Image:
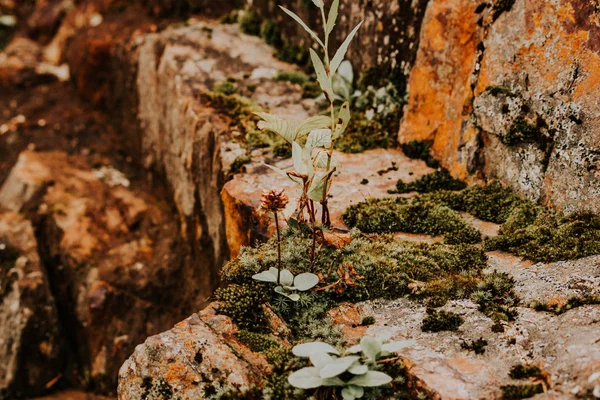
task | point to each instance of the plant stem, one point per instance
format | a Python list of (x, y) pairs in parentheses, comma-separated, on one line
[(278, 249)]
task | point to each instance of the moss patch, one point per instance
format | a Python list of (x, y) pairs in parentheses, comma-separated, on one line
[(477, 346), (513, 392), (238, 164), (243, 304), (561, 307), (413, 216), (496, 297), (522, 371), (250, 22), (438, 180), (420, 151), (364, 134), (437, 321), (257, 342)]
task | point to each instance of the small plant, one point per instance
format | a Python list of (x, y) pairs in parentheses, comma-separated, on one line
[(313, 159), (352, 371), (437, 321), (287, 283)]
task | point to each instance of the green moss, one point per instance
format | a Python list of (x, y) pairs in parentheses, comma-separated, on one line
[(437, 321), (257, 342), (562, 307), (250, 22), (438, 180), (238, 164), (271, 34), (523, 131), (477, 346), (364, 134), (386, 266), (243, 304), (368, 320), (496, 297), (513, 392), (292, 76), (551, 237), (230, 18), (420, 151), (412, 216), (522, 371), (227, 88)]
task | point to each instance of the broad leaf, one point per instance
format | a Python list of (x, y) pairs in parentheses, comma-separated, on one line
[(370, 347), (342, 120), (265, 276), (268, 117), (297, 156), (284, 128), (286, 278), (306, 126), (306, 28), (318, 3), (306, 378), (341, 53), (317, 186), (352, 392), (347, 395), (322, 76), (345, 71), (305, 281), (306, 349), (283, 173), (335, 381), (397, 346), (358, 369), (333, 14), (371, 379), (319, 138), (354, 349), (294, 297), (321, 160), (337, 367), (320, 360)]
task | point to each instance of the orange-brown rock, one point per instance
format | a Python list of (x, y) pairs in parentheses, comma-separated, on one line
[(510, 92)]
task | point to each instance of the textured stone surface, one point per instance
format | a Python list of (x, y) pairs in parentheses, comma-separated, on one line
[(482, 75), (113, 256), (31, 345), (202, 355)]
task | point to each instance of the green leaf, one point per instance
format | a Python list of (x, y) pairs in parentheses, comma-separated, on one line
[(320, 359), (345, 71), (318, 3), (284, 128), (317, 186), (322, 76), (268, 117), (354, 349), (303, 25), (283, 173), (347, 395), (356, 392), (306, 349), (370, 347), (319, 138), (333, 382), (265, 276), (371, 379), (306, 281), (341, 53), (306, 378), (318, 122), (333, 14), (286, 278), (337, 366), (297, 151), (358, 369), (393, 347), (322, 158), (294, 297), (342, 120)]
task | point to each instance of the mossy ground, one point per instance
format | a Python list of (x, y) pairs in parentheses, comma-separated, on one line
[(420, 151), (438, 180), (437, 321)]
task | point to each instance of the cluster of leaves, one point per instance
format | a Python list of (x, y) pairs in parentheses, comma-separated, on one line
[(351, 371), (287, 283), (413, 216)]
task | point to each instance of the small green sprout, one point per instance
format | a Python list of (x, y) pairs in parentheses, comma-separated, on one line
[(352, 371)]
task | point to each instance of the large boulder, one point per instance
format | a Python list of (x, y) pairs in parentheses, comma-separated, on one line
[(32, 347), (510, 90)]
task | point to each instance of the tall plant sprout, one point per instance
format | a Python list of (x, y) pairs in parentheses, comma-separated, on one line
[(313, 139)]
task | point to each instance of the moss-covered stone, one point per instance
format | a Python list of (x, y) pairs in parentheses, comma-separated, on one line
[(257, 342), (525, 391), (437, 321), (438, 180), (560, 307), (522, 371), (243, 304), (413, 216)]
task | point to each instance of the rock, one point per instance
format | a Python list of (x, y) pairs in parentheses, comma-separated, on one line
[(494, 95), (200, 359), (73, 395), (120, 274), (32, 348)]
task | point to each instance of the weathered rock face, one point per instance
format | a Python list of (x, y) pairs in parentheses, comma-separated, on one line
[(113, 257), (511, 91), (31, 344), (202, 357), (387, 41)]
